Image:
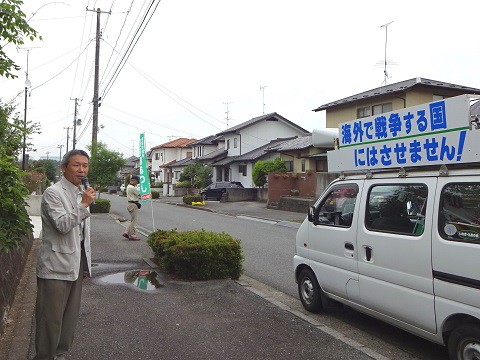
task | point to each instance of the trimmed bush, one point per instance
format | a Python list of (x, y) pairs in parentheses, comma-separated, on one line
[(103, 189), (155, 194), (100, 206), (183, 184), (188, 199), (198, 255), (112, 191)]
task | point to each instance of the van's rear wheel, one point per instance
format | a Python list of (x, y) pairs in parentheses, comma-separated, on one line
[(309, 291), (464, 343)]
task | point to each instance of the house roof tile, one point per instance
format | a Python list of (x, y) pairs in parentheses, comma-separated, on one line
[(267, 117), (209, 140), (399, 87), (183, 162), (177, 143)]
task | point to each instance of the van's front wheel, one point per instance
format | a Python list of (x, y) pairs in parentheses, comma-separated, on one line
[(464, 343), (309, 291)]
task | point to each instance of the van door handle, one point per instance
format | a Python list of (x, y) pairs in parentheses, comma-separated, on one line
[(349, 246), (368, 253)]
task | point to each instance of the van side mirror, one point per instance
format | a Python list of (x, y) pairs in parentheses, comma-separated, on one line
[(311, 213)]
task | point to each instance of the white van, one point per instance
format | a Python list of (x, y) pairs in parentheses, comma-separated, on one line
[(401, 245)]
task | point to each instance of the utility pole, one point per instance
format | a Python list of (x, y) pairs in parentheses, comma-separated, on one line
[(226, 112), (28, 84), (96, 80), (262, 89), (60, 161), (75, 124), (68, 135), (48, 152)]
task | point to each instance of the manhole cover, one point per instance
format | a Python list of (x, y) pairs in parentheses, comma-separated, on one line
[(142, 279)]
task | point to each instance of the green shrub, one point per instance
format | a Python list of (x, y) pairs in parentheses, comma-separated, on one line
[(183, 184), (198, 255), (112, 191), (157, 241), (158, 184), (14, 220), (103, 189), (100, 206), (155, 194), (188, 199)]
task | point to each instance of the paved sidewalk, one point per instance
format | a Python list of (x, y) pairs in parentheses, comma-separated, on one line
[(220, 319)]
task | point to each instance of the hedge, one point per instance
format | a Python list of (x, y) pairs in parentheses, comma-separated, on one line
[(155, 194), (100, 206), (197, 255), (188, 199)]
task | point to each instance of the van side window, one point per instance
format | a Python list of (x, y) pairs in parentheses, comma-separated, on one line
[(397, 209), (337, 208), (459, 215)]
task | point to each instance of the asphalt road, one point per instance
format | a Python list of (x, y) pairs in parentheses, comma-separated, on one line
[(268, 251), (268, 248)]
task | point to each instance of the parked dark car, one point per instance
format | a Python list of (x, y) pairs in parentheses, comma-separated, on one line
[(217, 189)]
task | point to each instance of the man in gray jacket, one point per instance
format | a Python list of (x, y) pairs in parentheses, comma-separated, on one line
[(64, 257)]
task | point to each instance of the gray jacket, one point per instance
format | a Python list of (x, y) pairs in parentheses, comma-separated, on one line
[(60, 252)]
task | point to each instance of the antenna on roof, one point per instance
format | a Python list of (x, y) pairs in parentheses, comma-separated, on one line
[(385, 78), (262, 89), (226, 112)]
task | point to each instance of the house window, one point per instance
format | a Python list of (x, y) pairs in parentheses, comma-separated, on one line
[(235, 143), (189, 154), (176, 175), (242, 169), (228, 144), (303, 165), (289, 165), (382, 108), (157, 156), (364, 112)]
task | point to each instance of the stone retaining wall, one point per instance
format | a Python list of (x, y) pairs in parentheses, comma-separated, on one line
[(12, 264)]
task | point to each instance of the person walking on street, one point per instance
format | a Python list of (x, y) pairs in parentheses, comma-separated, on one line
[(64, 258), (133, 197)]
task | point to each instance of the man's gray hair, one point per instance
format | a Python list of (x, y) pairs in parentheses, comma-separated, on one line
[(68, 155)]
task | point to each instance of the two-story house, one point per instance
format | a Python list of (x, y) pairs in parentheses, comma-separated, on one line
[(166, 154), (247, 137), (389, 98)]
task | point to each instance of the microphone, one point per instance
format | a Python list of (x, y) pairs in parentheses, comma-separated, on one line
[(86, 184)]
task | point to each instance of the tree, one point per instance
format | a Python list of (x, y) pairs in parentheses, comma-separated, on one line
[(14, 220), (198, 174), (14, 28), (104, 165), (49, 166), (262, 168)]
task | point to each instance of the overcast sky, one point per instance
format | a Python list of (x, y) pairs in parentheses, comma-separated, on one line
[(195, 56)]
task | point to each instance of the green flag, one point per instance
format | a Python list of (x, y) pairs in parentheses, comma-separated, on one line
[(145, 193)]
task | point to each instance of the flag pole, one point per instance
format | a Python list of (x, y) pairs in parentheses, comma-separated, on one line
[(145, 192)]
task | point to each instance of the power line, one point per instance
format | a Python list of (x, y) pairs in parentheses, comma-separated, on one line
[(53, 77), (133, 43)]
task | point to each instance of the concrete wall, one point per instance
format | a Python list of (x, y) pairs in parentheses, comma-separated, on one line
[(236, 194), (34, 202), (323, 180)]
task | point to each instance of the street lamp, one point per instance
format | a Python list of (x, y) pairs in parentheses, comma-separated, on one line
[(28, 84)]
